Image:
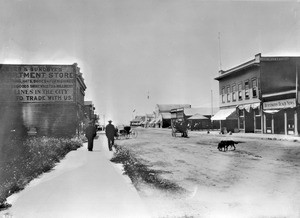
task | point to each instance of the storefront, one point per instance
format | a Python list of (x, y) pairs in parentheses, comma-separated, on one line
[(250, 118), (228, 118), (281, 117)]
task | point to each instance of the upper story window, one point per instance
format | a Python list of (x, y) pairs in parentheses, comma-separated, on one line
[(247, 93), (228, 94), (240, 93), (233, 92), (223, 95), (254, 88)]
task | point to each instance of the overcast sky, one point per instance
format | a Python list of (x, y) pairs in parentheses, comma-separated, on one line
[(129, 48)]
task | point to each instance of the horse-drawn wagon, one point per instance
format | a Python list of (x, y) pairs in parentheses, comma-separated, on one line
[(125, 132), (179, 123)]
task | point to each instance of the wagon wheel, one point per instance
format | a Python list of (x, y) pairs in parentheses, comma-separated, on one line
[(134, 134), (173, 133)]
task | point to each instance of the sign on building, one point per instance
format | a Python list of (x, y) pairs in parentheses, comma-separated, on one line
[(280, 104), (49, 98), (42, 83)]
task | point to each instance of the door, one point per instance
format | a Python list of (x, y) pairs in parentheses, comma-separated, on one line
[(249, 121)]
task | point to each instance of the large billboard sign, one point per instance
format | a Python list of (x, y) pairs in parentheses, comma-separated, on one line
[(37, 83)]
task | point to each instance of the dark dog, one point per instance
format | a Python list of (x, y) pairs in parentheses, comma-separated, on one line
[(223, 145)]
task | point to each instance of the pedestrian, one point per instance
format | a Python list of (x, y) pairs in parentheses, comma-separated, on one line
[(110, 134), (90, 134)]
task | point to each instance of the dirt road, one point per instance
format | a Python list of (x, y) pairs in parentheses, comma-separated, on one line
[(261, 178)]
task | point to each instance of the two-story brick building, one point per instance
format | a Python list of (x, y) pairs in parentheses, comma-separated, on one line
[(260, 96)]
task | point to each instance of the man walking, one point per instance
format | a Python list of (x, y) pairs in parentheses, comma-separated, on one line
[(90, 134), (110, 134)]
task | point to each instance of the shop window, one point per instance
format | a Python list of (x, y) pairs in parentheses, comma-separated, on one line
[(254, 88), (228, 94), (258, 123), (290, 121), (242, 119), (240, 93), (269, 123), (247, 89), (257, 119), (234, 92), (223, 95)]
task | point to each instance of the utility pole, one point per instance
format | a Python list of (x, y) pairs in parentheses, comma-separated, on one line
[(296, 113), (219, 37), (212, 104)]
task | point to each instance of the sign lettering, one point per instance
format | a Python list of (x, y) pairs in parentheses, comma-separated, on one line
[(280, 104), (274, 58), (37, 83)]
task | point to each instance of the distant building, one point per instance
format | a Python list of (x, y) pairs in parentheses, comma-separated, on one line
[(148, 118), (89, 110), (260, 95), (200, 118), (198, 110), (46, 98), (163, 113), (137, 121)]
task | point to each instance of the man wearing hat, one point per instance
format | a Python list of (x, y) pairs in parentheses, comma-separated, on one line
[(90, 134), (110, 134)]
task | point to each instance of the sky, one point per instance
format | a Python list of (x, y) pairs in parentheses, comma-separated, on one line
[(135, 54)]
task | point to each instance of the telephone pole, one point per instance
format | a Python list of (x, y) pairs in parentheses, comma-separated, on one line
[(219, 37)]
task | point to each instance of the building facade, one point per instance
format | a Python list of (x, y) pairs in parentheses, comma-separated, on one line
[(260, 96), (89, 110), (163, 113), (48, 98)]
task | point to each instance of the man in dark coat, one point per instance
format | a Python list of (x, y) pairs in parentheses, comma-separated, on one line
[(110, 134), (90, 133)]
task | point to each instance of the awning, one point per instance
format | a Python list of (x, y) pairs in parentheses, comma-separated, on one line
[(157, 120), (198, 117), (136, 120), (166, 115), (248, 106), (223, 114), (152, 121), (271, 111)]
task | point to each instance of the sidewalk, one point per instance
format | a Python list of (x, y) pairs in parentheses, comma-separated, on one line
[(243, 135), (84, 184), (254, 135)]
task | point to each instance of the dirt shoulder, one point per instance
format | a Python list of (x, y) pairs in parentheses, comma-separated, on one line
[(259, 179)]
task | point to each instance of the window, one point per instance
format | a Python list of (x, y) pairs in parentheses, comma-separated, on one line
[(254, 88), (223, 95), (241, 118), (247, 96), (257, 119), (228, 94), (240, 92), (234, 92)]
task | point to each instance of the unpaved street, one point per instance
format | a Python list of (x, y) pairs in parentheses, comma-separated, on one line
[(261, 178)]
